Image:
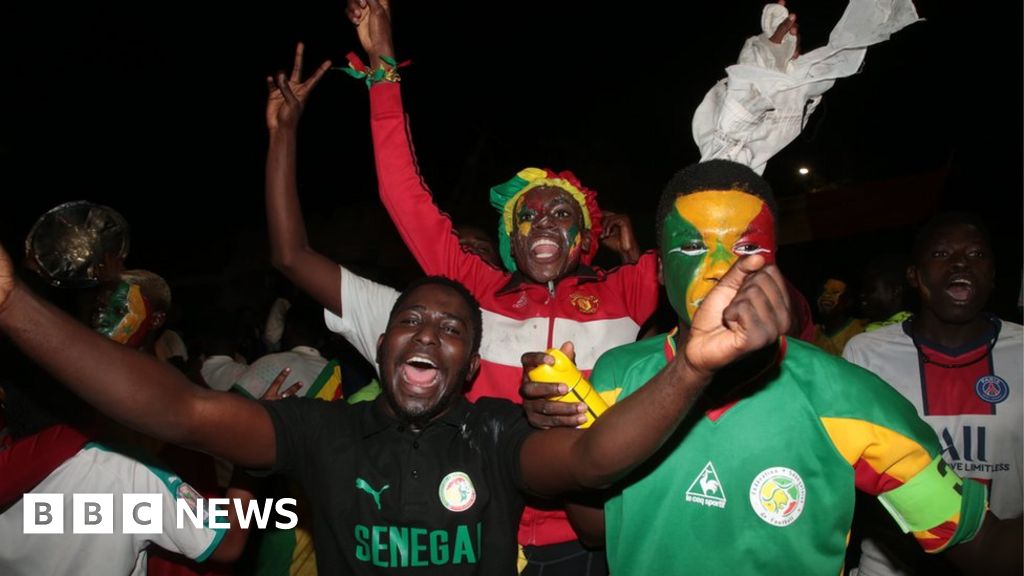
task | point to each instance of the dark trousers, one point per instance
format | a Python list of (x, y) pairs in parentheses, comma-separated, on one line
[(564, 559)]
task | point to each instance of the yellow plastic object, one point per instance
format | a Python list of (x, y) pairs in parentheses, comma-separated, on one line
[(564, 371)]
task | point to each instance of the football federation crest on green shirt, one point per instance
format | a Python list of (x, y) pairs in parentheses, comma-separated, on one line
[(778, 495), (706, 489)]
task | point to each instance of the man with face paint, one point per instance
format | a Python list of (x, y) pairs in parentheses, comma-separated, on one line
[(961, 368), (760, 477), (419, 481), (132, 309), (54, 452), (549, 230)]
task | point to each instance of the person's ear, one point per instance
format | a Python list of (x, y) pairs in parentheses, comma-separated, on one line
[(474, 366), (912, 277), (661, 272), (585, 244)]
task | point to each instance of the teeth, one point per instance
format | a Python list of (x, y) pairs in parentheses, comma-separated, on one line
[(421, 360), (543, 242), (963, 281)]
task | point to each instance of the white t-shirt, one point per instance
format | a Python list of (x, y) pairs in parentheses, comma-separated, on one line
[(220, 372), (306, 364), (373, 303), (98, 470), (983, 446)]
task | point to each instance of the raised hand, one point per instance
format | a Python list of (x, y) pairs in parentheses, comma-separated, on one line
[(747, 310), (372, 19), (618, 236), (273, 392), (787, 26), (288, 94)]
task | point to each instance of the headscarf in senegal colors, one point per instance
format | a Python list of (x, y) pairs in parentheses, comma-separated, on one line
[(504, 197)]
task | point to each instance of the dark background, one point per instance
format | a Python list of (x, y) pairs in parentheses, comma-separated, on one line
[(157, 110)]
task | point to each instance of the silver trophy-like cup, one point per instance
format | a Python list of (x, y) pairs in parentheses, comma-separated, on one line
[(70, 244)]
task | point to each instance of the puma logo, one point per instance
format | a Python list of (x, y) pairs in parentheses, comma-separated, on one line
[(365, 487)]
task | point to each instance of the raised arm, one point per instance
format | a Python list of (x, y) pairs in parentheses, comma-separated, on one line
[(426, 231), (290, 252), (131, 387), (745, 312)]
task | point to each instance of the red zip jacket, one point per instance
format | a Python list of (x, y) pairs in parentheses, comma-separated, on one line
[(596, 310)]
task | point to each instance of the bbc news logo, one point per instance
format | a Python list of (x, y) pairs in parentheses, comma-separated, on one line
[(143, 513)]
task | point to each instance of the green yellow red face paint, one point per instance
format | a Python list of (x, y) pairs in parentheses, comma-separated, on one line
[(123, 315), (549, 239), (704, 235)]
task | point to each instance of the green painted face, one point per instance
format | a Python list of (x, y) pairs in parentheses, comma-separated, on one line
[(123, 314), (678, 267), (703, 236)]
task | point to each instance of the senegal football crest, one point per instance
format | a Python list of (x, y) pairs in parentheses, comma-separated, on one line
[(457, 492), (778, 495)]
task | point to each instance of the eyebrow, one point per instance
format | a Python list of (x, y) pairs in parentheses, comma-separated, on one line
[(422, 308), (458, 319)]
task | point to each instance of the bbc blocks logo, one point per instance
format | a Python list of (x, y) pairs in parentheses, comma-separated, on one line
[(144, 513)]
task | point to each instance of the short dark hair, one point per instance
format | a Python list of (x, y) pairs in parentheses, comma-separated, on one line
[(153, 287), (890, 268), (712, 175), (945, 220), (476, 317)]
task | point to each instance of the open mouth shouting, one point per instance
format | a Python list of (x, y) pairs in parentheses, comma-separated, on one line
[(960, 288), (419, 375), (545, 250)]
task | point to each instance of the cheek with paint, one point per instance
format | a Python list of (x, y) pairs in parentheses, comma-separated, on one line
[(123, 318), (575, 240), (525, 215), (683, 256), (705, 235)]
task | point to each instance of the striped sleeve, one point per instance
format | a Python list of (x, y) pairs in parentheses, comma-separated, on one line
[(895, 456)]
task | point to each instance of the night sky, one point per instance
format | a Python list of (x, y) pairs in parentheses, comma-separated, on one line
[(157, 109)]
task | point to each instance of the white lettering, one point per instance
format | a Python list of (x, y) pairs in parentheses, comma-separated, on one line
[(293, 518), (185, 508), (251, 509), (219, 508)]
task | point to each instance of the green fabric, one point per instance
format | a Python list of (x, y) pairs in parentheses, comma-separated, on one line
[(275, 554), (691, 508), (680, 269), (972, 512), (501, 194), (323, 378), (896, 318), (926, 500), (366, 393)]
